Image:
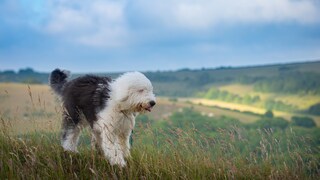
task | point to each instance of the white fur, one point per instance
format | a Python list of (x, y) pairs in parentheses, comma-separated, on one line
[(130, 94)]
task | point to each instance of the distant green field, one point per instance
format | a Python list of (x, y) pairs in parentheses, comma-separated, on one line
[(302, 101), (244, 109)]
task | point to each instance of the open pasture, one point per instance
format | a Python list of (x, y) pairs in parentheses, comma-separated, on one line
[(28, 108)]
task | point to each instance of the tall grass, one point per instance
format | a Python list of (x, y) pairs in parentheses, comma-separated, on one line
[(177, 155)]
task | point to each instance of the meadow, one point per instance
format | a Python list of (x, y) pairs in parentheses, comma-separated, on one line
[(180, 139)]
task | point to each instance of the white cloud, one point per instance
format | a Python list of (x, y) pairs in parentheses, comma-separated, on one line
[(94, 23), (64, 20), (108, 23), (202, 14), (105, 37)]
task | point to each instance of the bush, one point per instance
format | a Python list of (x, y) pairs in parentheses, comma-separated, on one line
[(314, 109), (303, 122), (271, 123), (268, 114)]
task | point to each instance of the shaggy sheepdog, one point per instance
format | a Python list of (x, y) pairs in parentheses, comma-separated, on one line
[(108, 106)]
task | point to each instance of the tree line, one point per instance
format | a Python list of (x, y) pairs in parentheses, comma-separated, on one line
[(214, 93)]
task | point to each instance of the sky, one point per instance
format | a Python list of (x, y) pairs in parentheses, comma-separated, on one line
[(151, 35)]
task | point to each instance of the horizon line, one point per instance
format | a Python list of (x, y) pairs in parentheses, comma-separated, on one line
[(182, 69)]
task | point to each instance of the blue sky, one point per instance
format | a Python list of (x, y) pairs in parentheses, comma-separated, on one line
[(126, 35)]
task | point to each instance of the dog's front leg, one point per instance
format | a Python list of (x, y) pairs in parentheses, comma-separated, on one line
[(125, 143), (112, 149)]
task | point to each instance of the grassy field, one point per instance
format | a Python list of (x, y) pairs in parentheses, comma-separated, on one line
[(302, 101), (34, 107), (39, 155), (205, 108), (30, 147), (246, 108), (28, 107)]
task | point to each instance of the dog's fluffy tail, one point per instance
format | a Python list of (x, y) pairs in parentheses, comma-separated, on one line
[(58, 79)]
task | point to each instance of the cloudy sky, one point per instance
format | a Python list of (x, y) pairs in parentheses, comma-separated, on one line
[(124, 35)]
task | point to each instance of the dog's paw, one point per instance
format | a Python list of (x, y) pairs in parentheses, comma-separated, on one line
[(118, 162)]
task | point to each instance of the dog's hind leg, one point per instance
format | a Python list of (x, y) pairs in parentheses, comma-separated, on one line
[(96, 140), (70, 133), (70, 139)]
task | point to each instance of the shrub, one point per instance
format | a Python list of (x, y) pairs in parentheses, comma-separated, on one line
[(314, 109), (271, 123), (303, 122), (268, 114)]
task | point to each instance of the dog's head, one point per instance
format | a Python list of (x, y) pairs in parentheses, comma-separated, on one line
[(133, 91)]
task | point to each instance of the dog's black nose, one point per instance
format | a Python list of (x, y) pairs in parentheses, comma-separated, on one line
[(152, 103)]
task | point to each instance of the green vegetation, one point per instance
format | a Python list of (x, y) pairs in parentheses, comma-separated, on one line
[(271, 123), (314, 109), (279, 105), (214, 93), (269, 114), (303, 122), (186, 146), (288, 78), (189, 118), (297, 78), (26, 75), (292, 82)]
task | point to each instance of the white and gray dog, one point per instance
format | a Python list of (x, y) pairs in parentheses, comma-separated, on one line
[(108, 106)]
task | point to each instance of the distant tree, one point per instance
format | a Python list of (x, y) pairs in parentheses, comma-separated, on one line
[(26, 71), (247, 99), (303, 122), (279, 105), (223, 95), (230, 97), (8, 72), (213, 93), (256, 99), (284, 68), (274, 123), (268, 114), (314, 109), (290, 82), (7, 76), (204, 78)]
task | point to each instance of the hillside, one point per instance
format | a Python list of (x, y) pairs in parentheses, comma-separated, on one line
[(187, 82), (190, 82), (293, 88)]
